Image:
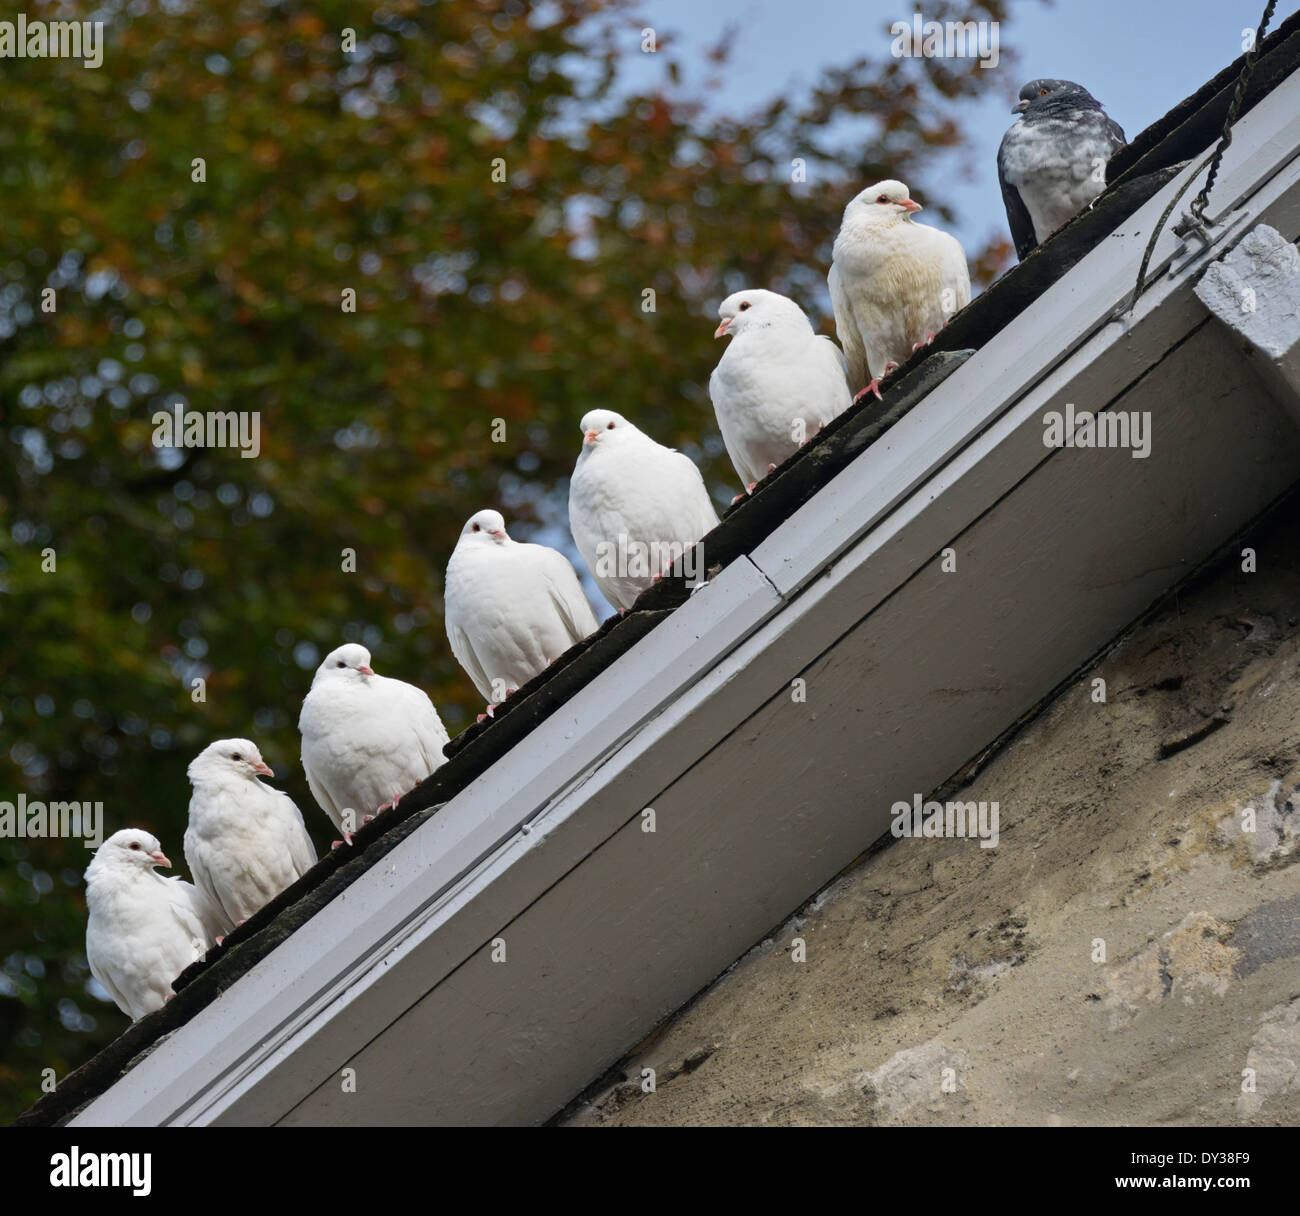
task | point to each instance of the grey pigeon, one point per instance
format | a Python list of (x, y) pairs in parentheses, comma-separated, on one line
[(1052, 161)]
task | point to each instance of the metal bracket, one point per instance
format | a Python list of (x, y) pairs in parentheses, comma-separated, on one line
[(1197, 241), (1198, 238)]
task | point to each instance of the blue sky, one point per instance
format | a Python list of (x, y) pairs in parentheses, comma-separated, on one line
[(1139, 57)]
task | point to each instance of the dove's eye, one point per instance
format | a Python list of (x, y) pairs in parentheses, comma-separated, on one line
[(610, 427), (236, 756), (476, 527), (340, 663), (884, 198), (743, 307), (135, 846), (1043, 92)]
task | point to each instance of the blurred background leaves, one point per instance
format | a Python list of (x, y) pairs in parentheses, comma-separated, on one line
[(477, 300)]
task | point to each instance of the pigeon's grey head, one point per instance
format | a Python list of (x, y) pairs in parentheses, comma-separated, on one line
[(348, 662), (228, 758), (602, 426), (485, 528), (757, 309), (131, 849), (1049, 97), (887, 202)]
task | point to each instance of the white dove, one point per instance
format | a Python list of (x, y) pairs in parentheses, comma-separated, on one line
[(894, 283), (777, 384), (144, 928), (511, 609), (366, 740), (246, 841), (635, 506)]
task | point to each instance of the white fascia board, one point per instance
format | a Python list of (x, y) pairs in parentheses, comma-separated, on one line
[(255, 1051)]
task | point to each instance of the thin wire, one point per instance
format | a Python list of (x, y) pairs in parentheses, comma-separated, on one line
[(1200, 202), (1155, 236)]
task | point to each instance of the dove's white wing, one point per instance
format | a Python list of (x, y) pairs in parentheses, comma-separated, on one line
[(566, 594), (956, 273), (828, 386), (463, 591), (301, 851), (830, 355), (192, 913), (594, 523), (463, 650), (203, 867), (698, 513), (319, 789), (422, 721), (848, 332), (99, 955), (730, 425)]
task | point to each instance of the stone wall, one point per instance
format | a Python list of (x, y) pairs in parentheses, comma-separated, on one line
[(945, 983)]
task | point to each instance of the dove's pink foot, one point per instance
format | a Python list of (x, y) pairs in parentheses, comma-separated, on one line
[(874, 386), (917, 345), (738, 497), (218, 940)]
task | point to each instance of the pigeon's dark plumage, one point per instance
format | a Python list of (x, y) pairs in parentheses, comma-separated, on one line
[(1052, 162)]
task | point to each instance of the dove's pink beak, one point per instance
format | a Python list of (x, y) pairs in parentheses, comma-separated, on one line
[(722, 329), (160, 859), (366, 671), (591, 437), (265, 769), (499, 533), (909, 205)]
